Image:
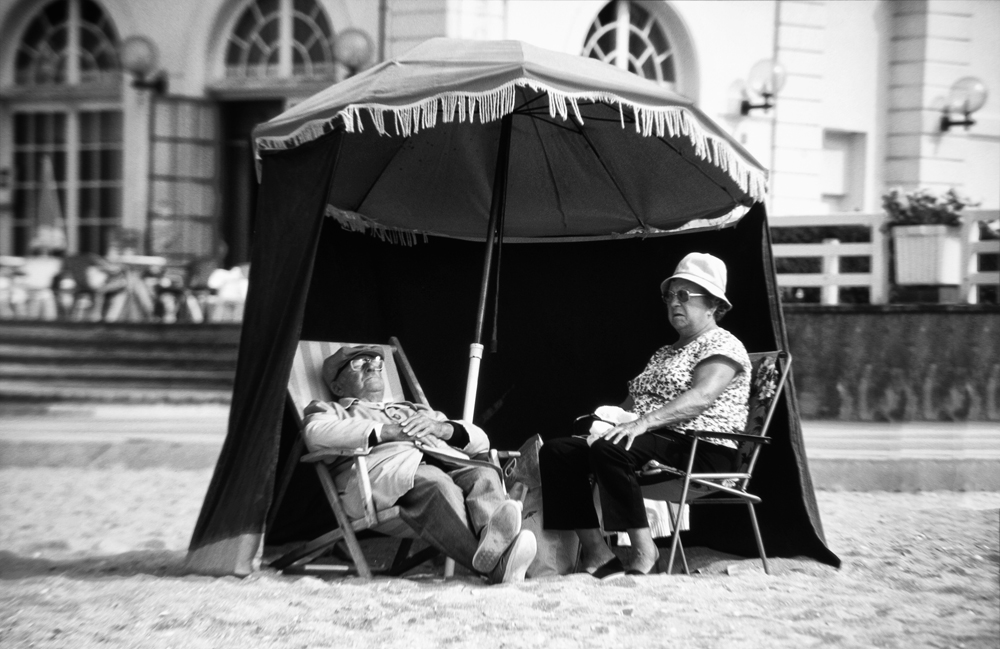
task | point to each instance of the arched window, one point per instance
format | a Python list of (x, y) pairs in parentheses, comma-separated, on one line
[(68, 42), (628, 36), (63, 145), (281, 38)]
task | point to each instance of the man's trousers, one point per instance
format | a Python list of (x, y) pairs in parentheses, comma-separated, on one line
[(448, 508)]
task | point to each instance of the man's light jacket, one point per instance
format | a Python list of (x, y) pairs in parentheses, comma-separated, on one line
[(348, 423)]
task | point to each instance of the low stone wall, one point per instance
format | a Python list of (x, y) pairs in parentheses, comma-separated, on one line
[(896, 362)]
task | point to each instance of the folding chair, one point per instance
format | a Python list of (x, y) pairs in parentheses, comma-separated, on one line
[(306, 384), (661, 482)]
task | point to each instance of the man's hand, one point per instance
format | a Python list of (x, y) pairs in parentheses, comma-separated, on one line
[(415, 427), (420, 425)]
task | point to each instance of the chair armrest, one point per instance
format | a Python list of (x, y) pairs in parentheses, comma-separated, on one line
[(331, 453), (740, 437), (486, 456)]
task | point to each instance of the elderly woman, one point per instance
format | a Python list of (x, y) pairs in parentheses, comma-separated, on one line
[(701, 382)]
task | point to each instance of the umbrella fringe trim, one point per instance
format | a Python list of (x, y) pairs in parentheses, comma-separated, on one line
[(354, 222), (492, 105)]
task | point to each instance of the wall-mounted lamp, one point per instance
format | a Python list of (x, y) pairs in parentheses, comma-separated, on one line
[(353, 49), (767, 77), (967, 95), (139, 57)]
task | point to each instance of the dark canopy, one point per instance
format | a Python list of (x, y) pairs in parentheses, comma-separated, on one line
[(576, 321)]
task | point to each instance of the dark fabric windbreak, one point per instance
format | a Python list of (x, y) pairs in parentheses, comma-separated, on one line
[(576, 322), (290, 206)]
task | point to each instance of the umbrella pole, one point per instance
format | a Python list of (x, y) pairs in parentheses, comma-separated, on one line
[(497, 206)]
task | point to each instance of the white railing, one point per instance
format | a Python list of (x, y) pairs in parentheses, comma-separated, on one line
[(972, 247), (829, 280)]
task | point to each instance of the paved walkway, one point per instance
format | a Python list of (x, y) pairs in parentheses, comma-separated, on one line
[(842, 455)]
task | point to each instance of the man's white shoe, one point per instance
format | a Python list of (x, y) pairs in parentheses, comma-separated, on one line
[(515, 561), (499, 533)]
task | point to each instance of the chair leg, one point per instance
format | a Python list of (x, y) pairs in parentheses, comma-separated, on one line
[(308, 551), (345, 524), (680, 510), (760, 541), (676, 541), (401, 566), (675, 522)]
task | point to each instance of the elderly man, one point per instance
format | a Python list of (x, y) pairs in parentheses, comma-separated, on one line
[(461, 510)]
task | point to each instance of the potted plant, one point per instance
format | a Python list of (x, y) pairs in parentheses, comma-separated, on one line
[(926, 234)]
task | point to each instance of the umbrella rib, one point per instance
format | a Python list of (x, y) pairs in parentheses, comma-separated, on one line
[(690, 163), (525, 107), (547, 163), (382, 171), (614, 181)]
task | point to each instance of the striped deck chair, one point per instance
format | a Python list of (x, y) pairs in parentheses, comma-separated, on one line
[(304, 385)]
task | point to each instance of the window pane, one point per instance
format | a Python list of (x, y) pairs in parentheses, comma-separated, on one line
[(88, 165), (111, 126), (23, 167), (111, 198), (59, 166), (647, 44), (111, 164), (163, 122), (87, 202), (23, 205), (162, 157), (44, 49), (22, 128), (88, 128)]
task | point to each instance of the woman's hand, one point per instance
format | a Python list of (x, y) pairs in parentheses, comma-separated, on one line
[(627, 431)]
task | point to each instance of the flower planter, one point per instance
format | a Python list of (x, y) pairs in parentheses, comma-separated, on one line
[(928, 254)]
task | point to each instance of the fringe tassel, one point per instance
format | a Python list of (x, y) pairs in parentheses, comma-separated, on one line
[(674, 121), (354, 222)]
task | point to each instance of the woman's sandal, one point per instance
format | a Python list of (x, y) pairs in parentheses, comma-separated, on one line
[(610, 570)]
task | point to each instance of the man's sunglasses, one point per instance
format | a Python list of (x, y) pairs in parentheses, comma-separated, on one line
[(682, 295), (374, 362)]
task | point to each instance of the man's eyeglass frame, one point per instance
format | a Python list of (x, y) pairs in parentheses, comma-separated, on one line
[(356, 363)]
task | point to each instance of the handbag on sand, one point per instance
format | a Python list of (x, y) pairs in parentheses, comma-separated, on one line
[(557, 550)]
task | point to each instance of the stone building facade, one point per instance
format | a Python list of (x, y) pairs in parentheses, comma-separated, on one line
[(168, 158)]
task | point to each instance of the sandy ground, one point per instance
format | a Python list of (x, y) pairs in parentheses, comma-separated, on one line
[(91, 558)]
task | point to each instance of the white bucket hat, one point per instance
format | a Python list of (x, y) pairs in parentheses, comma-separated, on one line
[(706, 271)]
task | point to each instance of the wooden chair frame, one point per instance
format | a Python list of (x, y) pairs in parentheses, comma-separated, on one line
[(306, 385), (384, 520), (660, 482)]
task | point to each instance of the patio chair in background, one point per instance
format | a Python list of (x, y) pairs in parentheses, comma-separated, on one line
[(32, 295), (85, 282), (661, 482)]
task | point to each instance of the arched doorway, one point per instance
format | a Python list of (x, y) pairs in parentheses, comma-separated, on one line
[(274, 52)]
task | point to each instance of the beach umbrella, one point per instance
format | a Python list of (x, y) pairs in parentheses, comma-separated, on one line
[(501, 140), (50, 228)]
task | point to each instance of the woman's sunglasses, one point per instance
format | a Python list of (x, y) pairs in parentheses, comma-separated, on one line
[(682, 295)]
